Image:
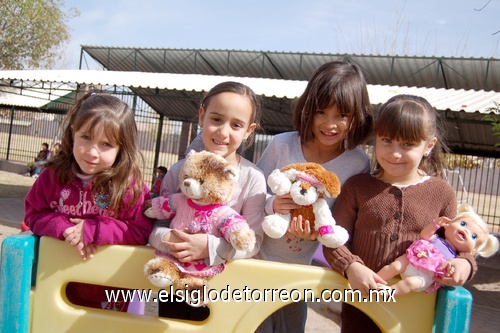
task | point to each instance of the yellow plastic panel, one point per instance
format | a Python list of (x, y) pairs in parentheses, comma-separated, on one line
[(122, 266)]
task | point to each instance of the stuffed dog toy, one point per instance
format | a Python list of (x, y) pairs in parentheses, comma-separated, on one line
[(307, 184)]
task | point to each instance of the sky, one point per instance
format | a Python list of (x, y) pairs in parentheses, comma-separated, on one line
[(448, 28)]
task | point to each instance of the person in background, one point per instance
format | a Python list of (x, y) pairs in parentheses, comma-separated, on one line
[(384, 212), (332, 118), (40, 159), (40, 165), (92, 193), (55, 150), (161, 171)]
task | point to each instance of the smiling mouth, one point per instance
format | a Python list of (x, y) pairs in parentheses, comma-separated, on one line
[(329, 134), (219, 143)]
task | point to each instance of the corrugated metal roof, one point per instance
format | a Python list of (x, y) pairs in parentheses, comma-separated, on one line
[(430, 72), (441, 99), (33, 96), (177, 96)]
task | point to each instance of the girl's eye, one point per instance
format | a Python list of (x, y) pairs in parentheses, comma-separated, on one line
[(474, 236), (408, 144), (320, 112), (85, 137), (237, 125), (463, 224), (386, 140), (343, 115), (215, 119)]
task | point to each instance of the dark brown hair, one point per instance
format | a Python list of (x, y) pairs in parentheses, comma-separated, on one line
[(412, 119), (113, 116), (243, 90), (339, 83)]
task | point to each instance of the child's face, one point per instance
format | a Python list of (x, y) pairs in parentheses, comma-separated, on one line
[(93, 154), (226, 123), (330, 126), (400, 159), (464, 234)]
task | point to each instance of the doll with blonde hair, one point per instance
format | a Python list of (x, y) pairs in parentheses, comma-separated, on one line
[(441, 240)]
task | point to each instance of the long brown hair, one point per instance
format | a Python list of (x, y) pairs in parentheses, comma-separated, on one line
[(341, 84), (114, 117)]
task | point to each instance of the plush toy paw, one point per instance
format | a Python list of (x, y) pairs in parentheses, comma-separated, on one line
[(159, 274), (149, 212), (278, 182), (276, 225), (196, 288), (335, 237), (243, 239)]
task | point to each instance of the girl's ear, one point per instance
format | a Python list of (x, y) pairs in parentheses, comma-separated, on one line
[(430, 145), (250, 130), (201, 115)]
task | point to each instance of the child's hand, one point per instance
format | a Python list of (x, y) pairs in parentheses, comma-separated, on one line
[(457, 272), (283, 204), (302, 230), (442, 221), (188, 247), (362, 278), (88, 251), (74, 235)]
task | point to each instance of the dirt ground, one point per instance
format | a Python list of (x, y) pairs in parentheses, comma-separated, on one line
[(13, 185)]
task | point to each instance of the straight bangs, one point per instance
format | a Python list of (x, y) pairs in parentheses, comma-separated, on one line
[(324, 98), (405, 122), (98, 121)]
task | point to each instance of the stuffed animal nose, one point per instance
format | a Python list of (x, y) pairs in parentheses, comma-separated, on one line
[(187, 183), (303, 191)]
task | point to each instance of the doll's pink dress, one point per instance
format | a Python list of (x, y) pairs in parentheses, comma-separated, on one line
[(219, 220), (426, 256)]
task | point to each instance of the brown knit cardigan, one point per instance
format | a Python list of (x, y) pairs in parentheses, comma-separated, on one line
[(383, 220)]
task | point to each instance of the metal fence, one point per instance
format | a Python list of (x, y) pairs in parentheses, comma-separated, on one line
[(476, 179)]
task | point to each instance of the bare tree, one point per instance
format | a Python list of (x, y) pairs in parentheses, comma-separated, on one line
[(480, 9)]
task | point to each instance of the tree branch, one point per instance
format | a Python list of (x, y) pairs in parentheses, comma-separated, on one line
[(480, 9)]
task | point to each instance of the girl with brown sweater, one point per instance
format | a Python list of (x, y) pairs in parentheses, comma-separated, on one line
[(384, 212)]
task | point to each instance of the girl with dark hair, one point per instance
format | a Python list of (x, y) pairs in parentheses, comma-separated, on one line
[(331, 118)]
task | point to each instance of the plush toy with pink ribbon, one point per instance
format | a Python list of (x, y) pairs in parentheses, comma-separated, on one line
[(308, 184)]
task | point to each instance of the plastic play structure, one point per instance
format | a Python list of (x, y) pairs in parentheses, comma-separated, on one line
[(35, 271)]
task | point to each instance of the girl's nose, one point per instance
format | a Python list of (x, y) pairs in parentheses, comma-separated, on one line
[(224, 130), (93, 150), (396, 153), (332, 121)]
